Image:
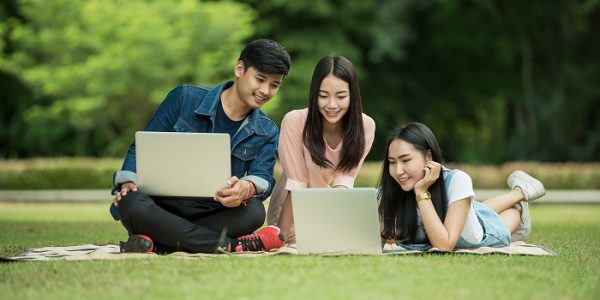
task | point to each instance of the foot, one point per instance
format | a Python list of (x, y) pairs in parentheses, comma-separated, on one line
[(532, 188), (290, 245), (137, 243), (522, 232), (265, 239)]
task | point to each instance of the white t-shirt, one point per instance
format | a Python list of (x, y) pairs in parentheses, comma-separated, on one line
[(461, 187)]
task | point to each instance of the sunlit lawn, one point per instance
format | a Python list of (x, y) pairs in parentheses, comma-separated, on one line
[(573, 232)]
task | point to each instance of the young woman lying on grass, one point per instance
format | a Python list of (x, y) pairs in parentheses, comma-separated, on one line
[(420, 209)]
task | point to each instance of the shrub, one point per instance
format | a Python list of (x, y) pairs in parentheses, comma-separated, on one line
[(553, 175), (96, 173), (58, 173)]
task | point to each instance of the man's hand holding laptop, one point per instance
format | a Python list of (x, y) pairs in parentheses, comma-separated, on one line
[(236, 193)]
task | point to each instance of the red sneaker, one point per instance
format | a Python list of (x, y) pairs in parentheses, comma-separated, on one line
[(137, 243), (265, 239)]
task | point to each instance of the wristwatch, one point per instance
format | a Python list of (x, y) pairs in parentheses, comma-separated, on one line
[(423, 196)]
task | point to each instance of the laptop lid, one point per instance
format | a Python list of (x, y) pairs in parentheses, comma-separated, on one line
[(336, 221), (182, 164)]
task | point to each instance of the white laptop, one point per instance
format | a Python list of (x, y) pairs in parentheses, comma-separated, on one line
[(336, 221), (182, 164)]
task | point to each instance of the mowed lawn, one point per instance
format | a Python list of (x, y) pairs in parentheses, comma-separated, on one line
[(572, 231)]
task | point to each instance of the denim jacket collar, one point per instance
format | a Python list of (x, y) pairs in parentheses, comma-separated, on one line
[(209, 108)]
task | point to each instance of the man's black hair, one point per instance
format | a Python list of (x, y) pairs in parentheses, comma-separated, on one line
[(266, 56)]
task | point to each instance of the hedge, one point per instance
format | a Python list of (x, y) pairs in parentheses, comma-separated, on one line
[(96, 173)]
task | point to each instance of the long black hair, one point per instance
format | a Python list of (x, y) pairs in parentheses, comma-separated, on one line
[(353, 145), (398, 209)]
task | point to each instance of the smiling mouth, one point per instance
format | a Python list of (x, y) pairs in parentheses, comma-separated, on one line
[(260, 99), (332, 113)]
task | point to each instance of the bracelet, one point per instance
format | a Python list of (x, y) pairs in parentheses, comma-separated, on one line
[(251, 192), (251, 189)]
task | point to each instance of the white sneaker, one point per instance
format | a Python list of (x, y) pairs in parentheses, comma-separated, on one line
[(531, 187), (522, 232)]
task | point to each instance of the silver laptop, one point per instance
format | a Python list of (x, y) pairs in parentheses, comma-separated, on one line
[(336, 221), (182, 164)]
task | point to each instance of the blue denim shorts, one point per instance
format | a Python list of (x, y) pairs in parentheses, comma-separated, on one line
[(495, 232)]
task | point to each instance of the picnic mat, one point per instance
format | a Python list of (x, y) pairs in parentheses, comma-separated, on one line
[(106, 252)]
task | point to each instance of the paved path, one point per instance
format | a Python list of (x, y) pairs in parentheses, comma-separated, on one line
[(552, 196)]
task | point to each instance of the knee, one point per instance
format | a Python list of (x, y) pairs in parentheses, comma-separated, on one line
[(133, 204), (255, 213)]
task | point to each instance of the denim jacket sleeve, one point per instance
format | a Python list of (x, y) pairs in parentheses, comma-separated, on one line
[(260, 170), (164, 119)]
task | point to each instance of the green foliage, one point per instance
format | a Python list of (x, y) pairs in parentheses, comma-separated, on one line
[(492, 80), (99, 69), (496, 81), (58, 173), (92, 173), (571, 231), (555, 176), (310, 30)]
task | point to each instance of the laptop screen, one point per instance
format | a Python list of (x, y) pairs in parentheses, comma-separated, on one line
[(336, 221), (182, 164)]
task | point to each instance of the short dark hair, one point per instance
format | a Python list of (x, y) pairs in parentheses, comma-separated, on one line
[(398, 209), (353, 147), (266, 56)]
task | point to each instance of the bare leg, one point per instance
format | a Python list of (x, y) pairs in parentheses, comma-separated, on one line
[(286, 220), (506, 201), (512, 218)]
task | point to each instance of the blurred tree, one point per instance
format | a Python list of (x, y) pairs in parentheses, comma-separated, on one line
[(15, 96), (311, 30), (99, 68), (554, 115), (490, 77), (450, 77), (496, 80), (501, 80)]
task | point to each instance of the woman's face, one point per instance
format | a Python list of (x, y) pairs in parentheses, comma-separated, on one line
[(333, 99), (406, 164)]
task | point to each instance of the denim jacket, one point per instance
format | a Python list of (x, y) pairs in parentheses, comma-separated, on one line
[(193, 109)]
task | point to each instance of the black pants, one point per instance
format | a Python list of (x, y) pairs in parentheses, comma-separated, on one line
[(190, 225)]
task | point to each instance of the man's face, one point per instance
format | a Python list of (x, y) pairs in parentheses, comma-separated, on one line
[(255, 88)]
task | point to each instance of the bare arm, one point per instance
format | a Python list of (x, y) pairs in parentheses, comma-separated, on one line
[(444, 236)]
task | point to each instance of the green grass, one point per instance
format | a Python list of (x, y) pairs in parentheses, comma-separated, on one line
[(571, 231)]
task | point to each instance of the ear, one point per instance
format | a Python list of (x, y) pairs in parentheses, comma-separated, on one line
[(428, 156), (239, 69)]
